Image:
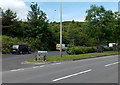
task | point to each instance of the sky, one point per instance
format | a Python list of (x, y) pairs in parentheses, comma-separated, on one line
[(71, 10)]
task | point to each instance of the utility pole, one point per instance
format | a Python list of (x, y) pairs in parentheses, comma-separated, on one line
[(61, 28)]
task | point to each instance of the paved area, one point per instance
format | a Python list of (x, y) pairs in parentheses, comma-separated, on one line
[(13, 61), (94, 70)]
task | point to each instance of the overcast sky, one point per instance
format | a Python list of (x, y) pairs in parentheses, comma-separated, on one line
[(71, 10)]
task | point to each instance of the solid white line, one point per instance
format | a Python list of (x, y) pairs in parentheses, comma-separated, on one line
[(36, 67), (42, 66), (17, 70), (111, 64), (72, 75), (58, 63), (52, 64)]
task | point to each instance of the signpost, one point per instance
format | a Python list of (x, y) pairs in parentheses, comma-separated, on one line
[(41, 54)]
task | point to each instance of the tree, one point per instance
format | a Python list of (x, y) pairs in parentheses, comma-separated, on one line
[(116, 30), (40, 31), (100, 23), (8, 17), (36, 17), (8, 22)]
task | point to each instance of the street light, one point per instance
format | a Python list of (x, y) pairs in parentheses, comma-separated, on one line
[(61, 28), (54, 17)]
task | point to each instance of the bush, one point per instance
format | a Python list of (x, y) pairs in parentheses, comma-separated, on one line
[(7, 42), (81, 50), (107, 49), (34, 44)]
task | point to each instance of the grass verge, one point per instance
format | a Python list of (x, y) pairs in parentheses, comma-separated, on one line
[(75, 57)]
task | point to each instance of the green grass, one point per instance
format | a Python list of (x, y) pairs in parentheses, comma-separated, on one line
[(74, 57)]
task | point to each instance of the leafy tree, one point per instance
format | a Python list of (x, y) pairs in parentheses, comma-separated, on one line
[(73, 33), (36, 17), (8, 17), (8, 22), (100, 24), (76, 35), (116, 30), (40, 31)]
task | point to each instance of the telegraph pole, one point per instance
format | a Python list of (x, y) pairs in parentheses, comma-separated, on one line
[(61, 28)]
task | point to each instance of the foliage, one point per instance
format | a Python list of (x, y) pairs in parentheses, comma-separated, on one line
[(8, 16), (73, 33), (36, 17), (81, 50), (107, 48), (7, 42), (100, 24), (40, 31), (101, 27), (116, 30), (8, 21)]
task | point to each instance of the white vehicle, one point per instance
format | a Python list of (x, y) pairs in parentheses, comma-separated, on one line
[(63, 47), (111, 44)]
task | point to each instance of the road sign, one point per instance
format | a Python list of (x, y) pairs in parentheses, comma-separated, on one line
[(42, 52)]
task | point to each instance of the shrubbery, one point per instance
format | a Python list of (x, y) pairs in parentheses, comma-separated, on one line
[(34, 44), (7, 42), (80, 50), (107, 48)]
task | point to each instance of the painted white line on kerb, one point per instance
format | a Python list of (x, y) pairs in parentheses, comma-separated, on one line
[(111, 64), (72, 75), (17, 70)]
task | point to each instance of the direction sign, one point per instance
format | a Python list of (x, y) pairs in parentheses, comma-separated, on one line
[(42, 53)]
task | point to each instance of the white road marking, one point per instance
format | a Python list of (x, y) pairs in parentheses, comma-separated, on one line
[(36, 67), (17, 70), (58, 63), (111, 64), (72, 75), (96, 58), (52, 64), (42, 66)]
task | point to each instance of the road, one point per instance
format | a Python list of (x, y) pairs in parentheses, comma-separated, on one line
[(94, 70), (13, 61)]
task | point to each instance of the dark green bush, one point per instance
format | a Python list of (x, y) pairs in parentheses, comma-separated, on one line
[(81, 50), (7, 42), (107, 49)]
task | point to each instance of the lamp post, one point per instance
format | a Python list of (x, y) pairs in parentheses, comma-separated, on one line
[(61, 28), (54, 17)]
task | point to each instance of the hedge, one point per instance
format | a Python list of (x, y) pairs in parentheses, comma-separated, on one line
[(107, 48), (80, 50), (7, 42)]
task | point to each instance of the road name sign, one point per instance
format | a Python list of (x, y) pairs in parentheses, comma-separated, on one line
[(42, 53)]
